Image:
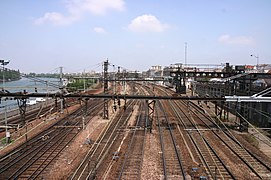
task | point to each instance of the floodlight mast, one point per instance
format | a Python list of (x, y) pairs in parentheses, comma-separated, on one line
[(257, 57)]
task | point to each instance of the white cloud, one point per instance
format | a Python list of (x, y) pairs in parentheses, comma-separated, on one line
[(96, 7), (99, 30), (243, 40), (147, 23), (77, 8), (56, 19)]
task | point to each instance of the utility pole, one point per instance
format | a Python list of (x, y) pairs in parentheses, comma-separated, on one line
[(119, 85), (4, 63), (185, 53), (61, 88), (85, 113), (114, 80), (124, 82), (84, 76), (106, 112)]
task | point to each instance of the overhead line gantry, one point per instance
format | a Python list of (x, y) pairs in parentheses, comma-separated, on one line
[(144, 97)]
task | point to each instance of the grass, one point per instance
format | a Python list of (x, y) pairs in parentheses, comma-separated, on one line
[(3, 140), (251, 139)]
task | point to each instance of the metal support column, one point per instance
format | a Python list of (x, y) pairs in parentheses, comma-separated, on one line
[(85, 113), (180, 79), (245, 106), (22, 109), (150, 113), (106, 112)]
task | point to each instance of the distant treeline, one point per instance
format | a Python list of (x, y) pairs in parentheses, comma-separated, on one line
[(80, 84), (44, 75), (10, 75)]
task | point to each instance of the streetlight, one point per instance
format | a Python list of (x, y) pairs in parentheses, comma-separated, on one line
[(4, 63), (257, 57)]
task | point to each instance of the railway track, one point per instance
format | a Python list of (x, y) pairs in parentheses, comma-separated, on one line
[(127, 159), (185, 130), (100, 148), (31, 115), (31, 159), (171, 155), (197, 120), (132, 163), (172, 162), (258, 167), (213, 164), (118, 152)]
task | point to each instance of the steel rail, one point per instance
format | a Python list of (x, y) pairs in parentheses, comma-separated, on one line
[(160, 137), (36, 156), (34, 114), (95, 109), (129, 154), (172, 139), (102, 155), (20, 157), (83, 165), (240, 146), (56, 136), (75, 113), (134, 142), (107, 134), (43, 133), (113, 162), (249, 163), (192, 138), (162, 148), (195, 143), (161, 140), (211, 148)]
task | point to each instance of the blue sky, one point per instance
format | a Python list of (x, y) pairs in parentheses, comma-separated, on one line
[(39, 36)]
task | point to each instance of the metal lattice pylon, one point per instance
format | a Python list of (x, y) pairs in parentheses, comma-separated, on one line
[(106, 112), (150, 113)]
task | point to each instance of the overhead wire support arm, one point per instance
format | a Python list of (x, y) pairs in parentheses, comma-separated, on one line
[(262, 93), (110, 96), (247, 99)]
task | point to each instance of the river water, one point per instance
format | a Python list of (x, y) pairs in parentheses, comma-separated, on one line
[(43, 85)]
